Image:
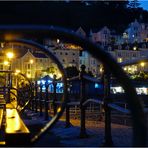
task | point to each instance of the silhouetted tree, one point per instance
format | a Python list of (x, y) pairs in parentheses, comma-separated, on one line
[(89, 73), (71, 71)]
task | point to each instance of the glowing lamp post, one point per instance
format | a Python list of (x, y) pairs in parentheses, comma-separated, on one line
[(10, 55)]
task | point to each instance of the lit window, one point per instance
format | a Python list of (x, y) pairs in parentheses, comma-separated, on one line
[(120, 60)]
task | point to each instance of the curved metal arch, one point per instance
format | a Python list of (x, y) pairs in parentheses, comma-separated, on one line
[(60, 111), (30, 87), (17, 96), (138, 117)]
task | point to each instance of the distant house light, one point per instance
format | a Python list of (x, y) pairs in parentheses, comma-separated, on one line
[(58, 41), (134, 48), (120, 60)]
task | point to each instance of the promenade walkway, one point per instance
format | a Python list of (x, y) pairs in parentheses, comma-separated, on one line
[(122, 135), (69, 137)]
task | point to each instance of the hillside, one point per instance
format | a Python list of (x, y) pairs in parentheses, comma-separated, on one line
[(93, 14)]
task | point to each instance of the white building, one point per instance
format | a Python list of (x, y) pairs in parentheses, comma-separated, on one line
[(68, 57), (124, 55), (86, 59), (35, 64), (136, 32), (102, 36)]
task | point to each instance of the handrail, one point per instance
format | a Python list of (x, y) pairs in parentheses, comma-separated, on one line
[(73, 78), (118, 108), (91, 79), (92, 101)]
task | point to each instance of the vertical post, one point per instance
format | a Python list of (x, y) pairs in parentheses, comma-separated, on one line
[(54, 95), (41, 87), (46, 101), (9, 84), (33, 94), (68, 124), (83, 133), (36, 97), (108, 137), (4, 90)]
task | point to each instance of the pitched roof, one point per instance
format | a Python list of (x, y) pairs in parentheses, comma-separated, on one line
[(39, 55)]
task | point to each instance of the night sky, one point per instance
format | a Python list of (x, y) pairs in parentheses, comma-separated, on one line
[(144, 4), (62, 14)]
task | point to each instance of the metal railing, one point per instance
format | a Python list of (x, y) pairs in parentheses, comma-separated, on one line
[(110, 66)]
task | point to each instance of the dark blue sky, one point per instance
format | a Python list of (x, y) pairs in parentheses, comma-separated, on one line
[(144, 4)]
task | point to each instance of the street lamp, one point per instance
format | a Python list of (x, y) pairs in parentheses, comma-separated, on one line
[(10, 55), (142, 64)]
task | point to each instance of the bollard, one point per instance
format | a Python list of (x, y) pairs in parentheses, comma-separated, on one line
[(46, 101), (83, 133), (40, 98), (54, 95), (108, 137)]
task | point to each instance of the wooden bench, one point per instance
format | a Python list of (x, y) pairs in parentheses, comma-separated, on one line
[(16, 132)]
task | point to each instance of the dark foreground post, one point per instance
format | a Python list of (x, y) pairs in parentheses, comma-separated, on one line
[(83, 133), (32, 96), (68, 124), (46, 101), (41, 87), (54, 95), (108, 137), (36, 96)]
